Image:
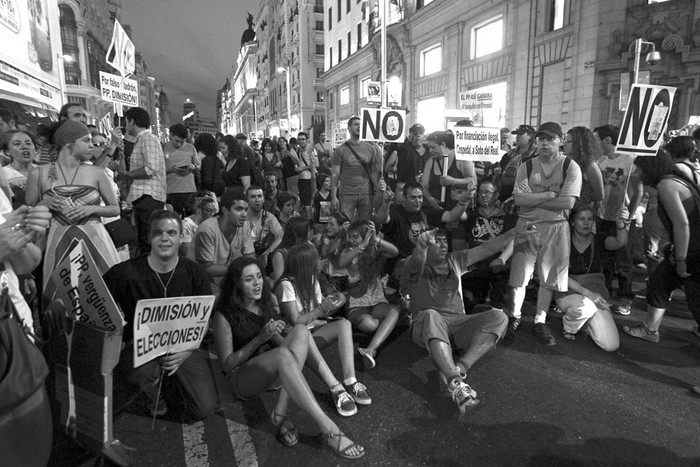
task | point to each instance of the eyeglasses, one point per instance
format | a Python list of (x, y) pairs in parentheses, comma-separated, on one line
[(100, 145)]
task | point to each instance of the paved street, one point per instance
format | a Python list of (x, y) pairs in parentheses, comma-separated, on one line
[(571, 404)]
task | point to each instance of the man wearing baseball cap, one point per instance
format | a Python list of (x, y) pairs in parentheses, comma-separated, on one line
[(525, 148), (546, 188)]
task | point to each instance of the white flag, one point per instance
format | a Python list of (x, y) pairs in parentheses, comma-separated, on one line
[(121, 53)]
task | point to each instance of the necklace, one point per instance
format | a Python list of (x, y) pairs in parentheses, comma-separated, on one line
[(165, 286)]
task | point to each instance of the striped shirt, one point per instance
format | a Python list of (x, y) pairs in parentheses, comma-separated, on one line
[(149, 155)]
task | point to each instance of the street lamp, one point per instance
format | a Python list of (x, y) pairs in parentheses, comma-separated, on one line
[(289, 98), (652, 57)]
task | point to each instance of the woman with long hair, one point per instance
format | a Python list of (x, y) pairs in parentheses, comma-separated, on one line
[(271, 159), (682, 152), (299, 294), (296, 231), (679, 211), (368, 309), (21, 147), (289, 163), (583, 147), (586, 301), (330, 244), (237, 173), (78, 195), (212, 168), (255, 348)]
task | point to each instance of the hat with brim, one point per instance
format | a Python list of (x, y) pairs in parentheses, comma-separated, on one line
[(523, 129), (550, 129)]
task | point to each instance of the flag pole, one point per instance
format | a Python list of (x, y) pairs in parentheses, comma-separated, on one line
[(383, 39)]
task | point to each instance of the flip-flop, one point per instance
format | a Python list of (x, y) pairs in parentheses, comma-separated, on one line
[(286, 432), (342, 453)]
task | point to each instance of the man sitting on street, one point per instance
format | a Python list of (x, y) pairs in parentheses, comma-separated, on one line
[(434, 277)]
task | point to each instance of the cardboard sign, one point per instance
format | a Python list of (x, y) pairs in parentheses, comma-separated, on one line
[(85, 295), (119, 90), (477, 143), (645, 120), (386, 125), (121, 53), (170, 325)]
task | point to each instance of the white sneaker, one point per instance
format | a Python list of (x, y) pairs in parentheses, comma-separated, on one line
[(463, 395)]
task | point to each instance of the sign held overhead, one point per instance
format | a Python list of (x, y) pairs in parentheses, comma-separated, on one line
[(646, 119), (387, 125), (121, 53)]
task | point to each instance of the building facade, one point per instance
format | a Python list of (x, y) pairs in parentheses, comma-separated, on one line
[(534, 60)]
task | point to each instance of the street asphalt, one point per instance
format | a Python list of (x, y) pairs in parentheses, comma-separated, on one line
[(571, 405)]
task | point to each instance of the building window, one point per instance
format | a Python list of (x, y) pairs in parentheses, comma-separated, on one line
[(319, 25), (345, 95), (487, 37), (347, 6), (319, 71), (319, 49), (330, 57), (340, 50), (431, 113), (363, 86), (340, 9), (431, 60), (558, 14), (318, 6), (349, 43), (421, 3), (359, 35), (69, 39), (330, 100), (319, 97), (330, 18)]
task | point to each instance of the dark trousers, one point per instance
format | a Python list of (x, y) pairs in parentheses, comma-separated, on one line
[(181, 203), (616, 263), (191, 391), (143, 207)]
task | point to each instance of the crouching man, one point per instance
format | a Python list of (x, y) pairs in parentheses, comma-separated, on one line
[(434, 277)]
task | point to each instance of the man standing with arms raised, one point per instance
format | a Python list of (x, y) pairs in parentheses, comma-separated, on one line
[(356, 167), (146, 177), (546, 189)]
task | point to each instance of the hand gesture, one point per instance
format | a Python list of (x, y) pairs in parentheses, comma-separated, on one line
[(595, 297), (382, 185), (497, 265), (369, 236), (115, 136), (446, 180), (426, 239), (75, 213), (271, 328), (623, 217), (171, 362), (38, 219)]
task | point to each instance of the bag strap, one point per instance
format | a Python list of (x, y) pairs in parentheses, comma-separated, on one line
[(565, 168), (692, 171), (362, 163)]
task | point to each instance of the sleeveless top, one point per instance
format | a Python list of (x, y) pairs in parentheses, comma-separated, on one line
[(434, 182), (693, 254)]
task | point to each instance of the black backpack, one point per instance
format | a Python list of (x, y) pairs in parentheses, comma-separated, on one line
[(567, 163)]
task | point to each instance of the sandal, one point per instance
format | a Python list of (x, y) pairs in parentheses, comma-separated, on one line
[(286, 432), (342, 453), (569, 336)]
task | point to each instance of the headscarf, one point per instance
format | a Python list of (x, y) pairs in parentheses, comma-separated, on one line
[(68, 132)]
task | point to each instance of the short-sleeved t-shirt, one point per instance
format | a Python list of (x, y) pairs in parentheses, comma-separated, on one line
[(405, 226), (211, 246), (353, 176), (616, 173), (183, 156), (134, 280), (480, 228), (286, 292), (438, 287), (260, 229), (539, 183)]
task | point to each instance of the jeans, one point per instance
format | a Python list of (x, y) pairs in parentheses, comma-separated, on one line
[(356, 206)]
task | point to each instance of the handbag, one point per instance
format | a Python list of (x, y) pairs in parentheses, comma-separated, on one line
[(23, 368), (121, 232)]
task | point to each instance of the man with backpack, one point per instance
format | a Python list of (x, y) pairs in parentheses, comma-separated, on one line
[(356, 167), (546, 189)]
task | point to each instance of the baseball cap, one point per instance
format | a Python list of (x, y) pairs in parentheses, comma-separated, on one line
[(550, 129), (523, 129)]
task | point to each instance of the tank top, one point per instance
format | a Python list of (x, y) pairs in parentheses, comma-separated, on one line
[(434, 182)]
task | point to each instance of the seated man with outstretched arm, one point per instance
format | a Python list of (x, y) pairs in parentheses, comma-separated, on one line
[(434, 277)]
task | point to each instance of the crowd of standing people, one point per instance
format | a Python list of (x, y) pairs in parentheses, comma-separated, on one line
[(306, 245)]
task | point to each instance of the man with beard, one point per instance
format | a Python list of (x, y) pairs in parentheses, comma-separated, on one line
[(264, 226), (433, 276)]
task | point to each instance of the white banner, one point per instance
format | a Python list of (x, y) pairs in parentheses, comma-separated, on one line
[(477, 143), (121, 53), (470, 101), (170, 325), (646, 119), (119, 90)]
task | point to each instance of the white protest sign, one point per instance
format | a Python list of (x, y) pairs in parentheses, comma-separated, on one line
[(386, 125), (121, 53), (169, 325), (474, 101), (477, 143), (86, 297), (645, 121), (119, 90)]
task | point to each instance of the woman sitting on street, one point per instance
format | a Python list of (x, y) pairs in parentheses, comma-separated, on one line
[(255, 348), (299, 295), (586, 300)]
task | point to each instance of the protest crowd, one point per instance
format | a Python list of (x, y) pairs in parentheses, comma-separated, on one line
[(278, 249)]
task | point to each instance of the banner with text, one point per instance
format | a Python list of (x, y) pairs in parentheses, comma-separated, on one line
[(169, 325), (646, 118), (85, 295), (121, 53), (119, 90), (388, 125), (477, 143)]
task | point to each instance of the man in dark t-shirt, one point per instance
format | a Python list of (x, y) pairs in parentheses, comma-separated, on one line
[(188, 383)]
